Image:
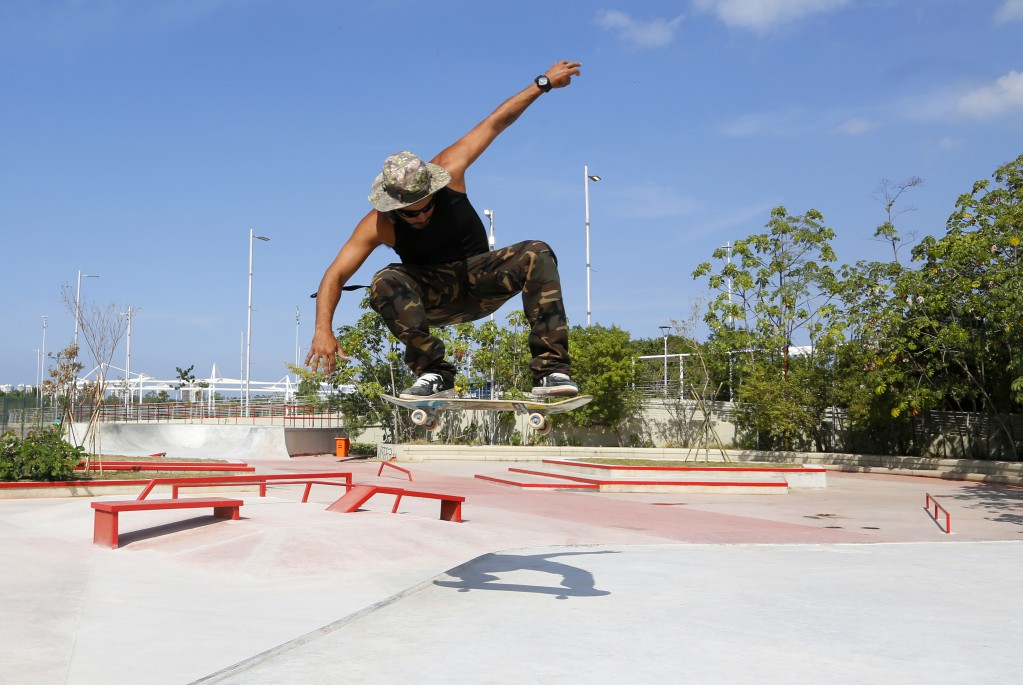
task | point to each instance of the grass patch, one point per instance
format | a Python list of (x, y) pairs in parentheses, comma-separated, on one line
[(128, 474), (152, 469), (118, 457)]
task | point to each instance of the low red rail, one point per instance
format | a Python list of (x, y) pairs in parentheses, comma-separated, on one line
[(262, 483), (387, 463), (928, 501), (261, 480)]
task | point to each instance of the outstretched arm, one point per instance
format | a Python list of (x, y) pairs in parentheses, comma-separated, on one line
[(457, 158), (370, 233)]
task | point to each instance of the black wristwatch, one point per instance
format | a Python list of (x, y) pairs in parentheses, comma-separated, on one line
[(543, 83)]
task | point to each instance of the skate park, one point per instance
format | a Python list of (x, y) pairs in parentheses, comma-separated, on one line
[(854, 582)]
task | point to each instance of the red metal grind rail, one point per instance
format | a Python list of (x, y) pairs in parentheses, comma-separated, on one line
[(937, 507), (387, 463), (261, 480)]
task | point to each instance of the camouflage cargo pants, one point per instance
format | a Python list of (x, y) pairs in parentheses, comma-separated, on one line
[(412, 298)]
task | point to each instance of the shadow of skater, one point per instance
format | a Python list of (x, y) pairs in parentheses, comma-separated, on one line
[(485, 572)]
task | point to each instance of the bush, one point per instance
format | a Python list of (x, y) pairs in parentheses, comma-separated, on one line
[(363, 448), (43, 456)]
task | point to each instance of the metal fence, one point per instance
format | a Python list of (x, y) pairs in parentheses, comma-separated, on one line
[(229, 412), (21, 414)]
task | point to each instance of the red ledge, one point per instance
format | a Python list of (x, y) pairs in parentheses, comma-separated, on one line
[(548, 486), (602, 481), (761, 469)]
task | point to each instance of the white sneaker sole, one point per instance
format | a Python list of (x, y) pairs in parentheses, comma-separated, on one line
[(556, 391)]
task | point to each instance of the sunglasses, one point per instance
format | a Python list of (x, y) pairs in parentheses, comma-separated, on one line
[(410, 214)]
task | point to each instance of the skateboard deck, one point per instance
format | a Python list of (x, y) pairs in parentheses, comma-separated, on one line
[(424, 412)]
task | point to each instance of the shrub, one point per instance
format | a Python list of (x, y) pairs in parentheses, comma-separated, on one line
[(363, 448), (43, 456)]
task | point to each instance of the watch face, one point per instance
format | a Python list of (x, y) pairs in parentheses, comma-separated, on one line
[(542, 81)]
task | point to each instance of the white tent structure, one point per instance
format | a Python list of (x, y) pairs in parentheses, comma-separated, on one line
[(134, 387)]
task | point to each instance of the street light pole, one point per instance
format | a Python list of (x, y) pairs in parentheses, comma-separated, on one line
[(490, 240), (586, 193), (127, 359), (664, 332), (42, 365), (248, 329), (731, 319)]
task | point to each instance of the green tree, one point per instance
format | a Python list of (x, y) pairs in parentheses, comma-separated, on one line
[(882, 387), (602, 361), (781, 286), (62, 384), (964, 304), (375, 368)]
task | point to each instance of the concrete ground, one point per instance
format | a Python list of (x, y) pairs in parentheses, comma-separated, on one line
[(852, 584)]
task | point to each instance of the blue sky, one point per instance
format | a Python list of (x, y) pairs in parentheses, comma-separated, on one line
[(141, 141)]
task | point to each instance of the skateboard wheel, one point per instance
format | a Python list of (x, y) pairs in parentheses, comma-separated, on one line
[(430, 425), (537, 422), (543, 431), (420, 417)]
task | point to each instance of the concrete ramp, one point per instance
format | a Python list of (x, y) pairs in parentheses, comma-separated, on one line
[(208, 441)]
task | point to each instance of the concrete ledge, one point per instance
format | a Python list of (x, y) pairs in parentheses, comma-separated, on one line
[(418, 452), (813, 477), (998, 472)]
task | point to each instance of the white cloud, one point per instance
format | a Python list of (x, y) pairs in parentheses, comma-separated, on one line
[(764, 15), (655, 33), (856, 127), (778, 122), (1011, 10), (986, 102)]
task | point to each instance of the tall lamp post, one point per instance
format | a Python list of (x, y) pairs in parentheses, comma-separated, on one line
[(731, 319), (490, 215), (297, 320), (248, 327), (490, 241), (586, 193), (42, 364), (127, 358), (664, 332)]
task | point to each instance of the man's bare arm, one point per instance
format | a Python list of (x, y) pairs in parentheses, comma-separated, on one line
[(371, 232), (459, 156)]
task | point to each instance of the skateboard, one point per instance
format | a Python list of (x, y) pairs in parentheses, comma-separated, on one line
[(424, 412)]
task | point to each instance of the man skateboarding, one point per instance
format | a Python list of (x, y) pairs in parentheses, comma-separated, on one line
[(446, 275)]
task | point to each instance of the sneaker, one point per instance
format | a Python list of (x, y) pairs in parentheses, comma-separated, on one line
[(429, 386), (556, 385)]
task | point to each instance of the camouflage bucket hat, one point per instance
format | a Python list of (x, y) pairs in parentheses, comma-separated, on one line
[(406, 179)]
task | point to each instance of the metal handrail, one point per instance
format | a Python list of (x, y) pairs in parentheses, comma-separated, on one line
[(948, 517)]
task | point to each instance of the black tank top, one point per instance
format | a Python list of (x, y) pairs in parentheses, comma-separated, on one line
[(455, 232)]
